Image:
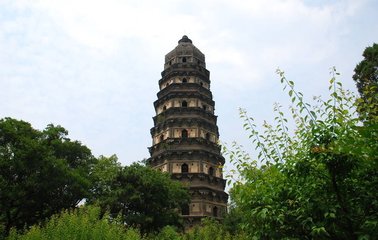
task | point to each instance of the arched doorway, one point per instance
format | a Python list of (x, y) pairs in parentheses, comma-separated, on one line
[(184, 134), (215, 212), (207, 136), (211, 171), (185, 209), (184, 168)]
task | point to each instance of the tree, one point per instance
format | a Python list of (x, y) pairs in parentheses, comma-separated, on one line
[(81, 223), (103, 176), (318, 181), (366, 78), (144, 198), (41, 173), (366, 72)]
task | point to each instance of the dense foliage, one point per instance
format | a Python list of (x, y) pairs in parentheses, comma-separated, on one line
[(89, 223), (366, 78), (82, 223), (366, 72), (44, 172), (142, 196), (318, 181), (41, 173)]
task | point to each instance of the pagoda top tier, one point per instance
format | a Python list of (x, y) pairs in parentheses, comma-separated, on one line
[(185, 52), (185, 39)]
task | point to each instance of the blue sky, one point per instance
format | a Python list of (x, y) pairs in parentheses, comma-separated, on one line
[(93, 66)]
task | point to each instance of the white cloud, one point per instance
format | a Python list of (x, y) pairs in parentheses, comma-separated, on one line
[(106, 25), (93, 66)]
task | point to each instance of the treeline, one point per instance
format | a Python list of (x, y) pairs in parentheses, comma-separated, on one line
[(43, 173), (89, 223), (53, 188)]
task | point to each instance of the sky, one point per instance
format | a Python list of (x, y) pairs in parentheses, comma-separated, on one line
[(93, 66)]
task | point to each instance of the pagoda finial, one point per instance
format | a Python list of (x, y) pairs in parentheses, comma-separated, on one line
[(185, 39)]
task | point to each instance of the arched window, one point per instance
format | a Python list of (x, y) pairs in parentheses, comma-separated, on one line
[(184, 134), (184, 168), (207, 136), (167, 84), (185, 209), (215, 212), (204, 107), (184, 59), (211, 171), (164, 108), (184, 80), (201, 83), (161, 137), (184, 104)]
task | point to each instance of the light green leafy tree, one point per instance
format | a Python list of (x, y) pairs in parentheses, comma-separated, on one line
[(319, 180), (81, 223)]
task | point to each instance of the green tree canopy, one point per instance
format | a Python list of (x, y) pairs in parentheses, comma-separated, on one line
[(366, 78), (366, 72), (145, 198), (318, 181), (80, 223), (41, 172)]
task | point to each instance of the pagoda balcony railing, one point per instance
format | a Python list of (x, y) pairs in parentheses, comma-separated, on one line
[(185, 154), (197, 143), (184, 122), (184, 87), (197, 180), (183, 94), (194, 112), (178, 68)]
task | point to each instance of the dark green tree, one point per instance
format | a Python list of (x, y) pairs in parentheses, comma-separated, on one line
[(145, 198), (366, 78), (103, 177), (366, 72), (41, 173)]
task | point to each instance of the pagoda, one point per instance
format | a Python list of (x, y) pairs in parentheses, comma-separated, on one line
[(185, 133)]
